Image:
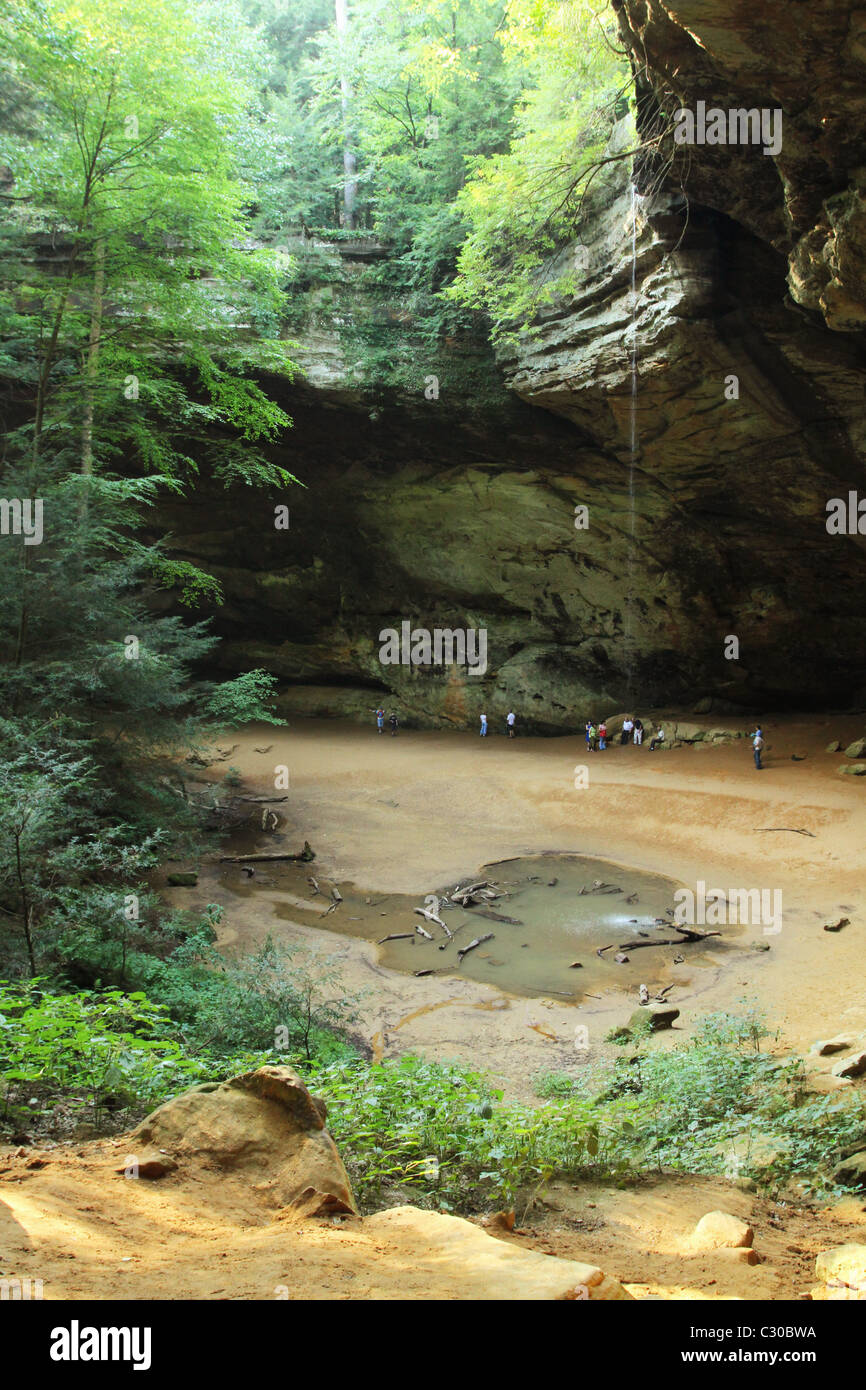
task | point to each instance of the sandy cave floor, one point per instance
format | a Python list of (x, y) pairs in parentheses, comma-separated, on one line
[(409, 814)]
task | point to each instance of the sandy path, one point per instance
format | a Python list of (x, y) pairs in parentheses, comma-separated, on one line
[(407, 814)]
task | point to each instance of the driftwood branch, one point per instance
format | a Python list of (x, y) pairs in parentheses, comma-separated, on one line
[(397, 936), (768, 829), (688, 934), (477, 941), (305, 856)]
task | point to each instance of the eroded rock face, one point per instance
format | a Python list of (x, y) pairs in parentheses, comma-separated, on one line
[(263, 1126), (703, 399), (809, 61)]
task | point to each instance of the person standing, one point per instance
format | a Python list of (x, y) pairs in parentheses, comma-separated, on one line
[(592, 737), (484, 726), (588, 727), (638, 733), (380, 719), (602, 736), (509, 720), (757, 746), (659, 738), (392, 720), (627, 727)]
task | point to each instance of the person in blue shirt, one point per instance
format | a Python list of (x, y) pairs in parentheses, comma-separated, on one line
[(380, 719), (757, 745)]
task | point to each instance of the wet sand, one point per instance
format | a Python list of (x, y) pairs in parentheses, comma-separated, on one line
[(406, 815)]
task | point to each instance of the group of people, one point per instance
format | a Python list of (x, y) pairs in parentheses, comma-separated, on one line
[(596, 734), (632, 732), (392, 720), (510, 721)]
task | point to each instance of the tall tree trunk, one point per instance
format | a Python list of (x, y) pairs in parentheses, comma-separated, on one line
[(92, 362), (350, 182), (26, 908)]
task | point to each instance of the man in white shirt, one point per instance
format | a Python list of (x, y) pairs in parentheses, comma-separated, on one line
[(627, 726), (510, 722)]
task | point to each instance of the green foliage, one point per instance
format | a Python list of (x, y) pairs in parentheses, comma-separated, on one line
[(140, 331), (522, 206), (439, 1133), (64, 1057), (245, 700)]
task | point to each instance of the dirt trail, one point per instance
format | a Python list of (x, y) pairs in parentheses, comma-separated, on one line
[(89, 1233)]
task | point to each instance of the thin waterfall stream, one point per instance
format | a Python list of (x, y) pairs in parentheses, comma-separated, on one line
[(629, 614)]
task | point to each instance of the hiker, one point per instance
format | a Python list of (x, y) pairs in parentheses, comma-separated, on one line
[(627, 726), (392, 720), (659, 738), (592, 738), (602, 736), (588, 727), (484, 726), (638, 733), (380, 719), (509, 719), (757, 745)]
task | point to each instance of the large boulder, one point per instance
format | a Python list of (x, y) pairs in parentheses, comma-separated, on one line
[(479, 1267), (264, 1127), (850, 1066), (719, 1230), (825, 1047), (659, 1019), (842, 1273), (851, 1171)]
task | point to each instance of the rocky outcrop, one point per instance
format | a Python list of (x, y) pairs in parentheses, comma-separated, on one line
[(466, 1263), (264, 1127), (700, 394)]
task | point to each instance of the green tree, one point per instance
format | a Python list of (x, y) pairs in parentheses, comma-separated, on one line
[(139, 309)]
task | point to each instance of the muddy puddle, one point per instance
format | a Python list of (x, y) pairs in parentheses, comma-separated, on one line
[(561, 908)]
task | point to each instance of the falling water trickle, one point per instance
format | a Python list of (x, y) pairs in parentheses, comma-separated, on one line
[(629, 635)]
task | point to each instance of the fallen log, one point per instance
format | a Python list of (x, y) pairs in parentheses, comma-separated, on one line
[(422, 931), (418, 973), (477, 941), (336, 895), (688, 935), (498, 917), (267, 800), (397, 936), (305, 856)]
